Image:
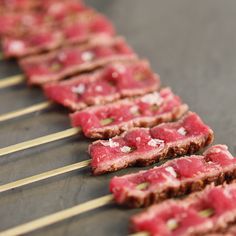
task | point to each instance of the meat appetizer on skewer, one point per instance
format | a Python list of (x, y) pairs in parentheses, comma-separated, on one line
[(209, 211), (188, 135), (67, 61), (53, 14), (144, 111), (18, 5), (175, 178), (154, 108), (112, 82), (121, 76), (144, 146), (81, 28)]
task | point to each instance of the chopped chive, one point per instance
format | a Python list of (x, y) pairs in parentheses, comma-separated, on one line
[(139, 77), (55, 66), (154, 107), (142, 186), (172, 224), (106, 121), (206, 213)]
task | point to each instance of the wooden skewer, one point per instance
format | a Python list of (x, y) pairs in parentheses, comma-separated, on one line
[(25, 111), (58, 216), (43, 176), (140, 234), (39, 141), (11, 81)]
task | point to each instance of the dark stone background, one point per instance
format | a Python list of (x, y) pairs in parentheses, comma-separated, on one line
[(191, 44)]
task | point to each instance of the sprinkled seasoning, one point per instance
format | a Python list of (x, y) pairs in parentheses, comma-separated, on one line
[(182, 131), (110, 143), (171, 170), (153, 99), (98, 88), (134, 110), (79, 89), (138, 139), (17, 46), (126, 149), (87, 56), (155, 142)]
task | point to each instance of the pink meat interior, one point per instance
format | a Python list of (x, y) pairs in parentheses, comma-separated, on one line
[(111, 83), (174, 172), (177, 217)]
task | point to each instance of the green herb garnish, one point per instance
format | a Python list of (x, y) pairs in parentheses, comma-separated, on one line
[(106, 121), (55, 66), (206, 213), (172, 224), (139, 77), (142, 186), (154, 107)]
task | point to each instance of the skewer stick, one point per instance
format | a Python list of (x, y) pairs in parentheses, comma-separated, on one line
[(140, 234), (43, 176), (11, 81), (39, 141), (25, 111), (58, 216)]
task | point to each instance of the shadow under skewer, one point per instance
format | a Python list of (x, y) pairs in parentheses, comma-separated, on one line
[(58, 216)]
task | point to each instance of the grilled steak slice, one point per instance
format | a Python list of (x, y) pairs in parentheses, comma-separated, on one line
[(114, 81), (211, 210), (114, 118), (143, 146), (86, 25), (69, 60), (20, 16), (175, 178)]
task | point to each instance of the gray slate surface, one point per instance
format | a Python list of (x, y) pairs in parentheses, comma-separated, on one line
[(191, 44)]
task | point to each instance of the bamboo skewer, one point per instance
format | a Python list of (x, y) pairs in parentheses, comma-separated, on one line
[(25, 111), (43, 176), (140, 234), (11, 81), (58, 216), (39, 141)]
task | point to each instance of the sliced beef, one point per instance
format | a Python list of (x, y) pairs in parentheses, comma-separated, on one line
[(209, 212), (47, 14), (175, 178), (86, 25), (114, 81), (143, 146), (67, 61), (145, 111)]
